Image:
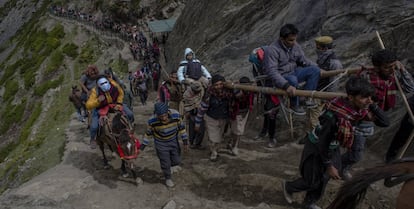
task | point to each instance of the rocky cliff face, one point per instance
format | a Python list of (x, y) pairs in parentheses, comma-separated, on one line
[(222, 33), (13, 14)]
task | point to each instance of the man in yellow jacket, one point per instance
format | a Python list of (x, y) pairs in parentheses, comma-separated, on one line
[(106, 92)]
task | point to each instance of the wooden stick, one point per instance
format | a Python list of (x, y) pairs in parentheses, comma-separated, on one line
[(380, 40), (274, 91), (410, 113), (330, 73)]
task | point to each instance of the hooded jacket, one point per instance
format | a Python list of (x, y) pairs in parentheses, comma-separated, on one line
[(182, 70), (115, 91)]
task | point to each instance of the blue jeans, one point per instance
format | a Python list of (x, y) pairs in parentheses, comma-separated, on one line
[(350, 157), (354, 155), (93, 128), (310, 75), (128, 112)]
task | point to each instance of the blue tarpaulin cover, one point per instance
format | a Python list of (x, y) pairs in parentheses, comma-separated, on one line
[(159, 26)]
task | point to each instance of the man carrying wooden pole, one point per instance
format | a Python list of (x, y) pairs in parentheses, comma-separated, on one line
[(401, 140)]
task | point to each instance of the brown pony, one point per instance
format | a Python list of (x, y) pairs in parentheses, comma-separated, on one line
[(353, 191), (116, 132)]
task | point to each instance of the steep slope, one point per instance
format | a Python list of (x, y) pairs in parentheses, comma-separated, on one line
[(222, 34)]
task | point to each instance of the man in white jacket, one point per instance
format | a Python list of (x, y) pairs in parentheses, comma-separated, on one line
[(191, 69)]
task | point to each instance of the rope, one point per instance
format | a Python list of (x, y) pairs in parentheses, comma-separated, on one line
[(334, 81), (312, 93)]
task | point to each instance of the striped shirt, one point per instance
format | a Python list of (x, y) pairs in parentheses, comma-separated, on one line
[(166, 132)]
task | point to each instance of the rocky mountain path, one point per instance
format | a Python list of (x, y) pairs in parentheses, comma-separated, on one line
[(251, 180)]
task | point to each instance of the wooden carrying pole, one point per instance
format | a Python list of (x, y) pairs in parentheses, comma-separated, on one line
[(410, 113), (330, 73), (407, 105), (273, 91)]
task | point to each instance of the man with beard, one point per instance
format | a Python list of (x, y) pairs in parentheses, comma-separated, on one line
[(214, 109)]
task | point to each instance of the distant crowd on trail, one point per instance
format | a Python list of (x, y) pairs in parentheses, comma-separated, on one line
[(148, 74), (106, 24), (191, 102)]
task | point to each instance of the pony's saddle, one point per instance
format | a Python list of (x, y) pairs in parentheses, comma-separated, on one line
[(119, 135)]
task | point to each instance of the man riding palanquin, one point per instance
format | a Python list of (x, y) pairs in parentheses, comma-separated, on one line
[(107, 94), (192, 70)]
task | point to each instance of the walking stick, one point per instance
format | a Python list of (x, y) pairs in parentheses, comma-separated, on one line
[(407, 106), (410, 113)]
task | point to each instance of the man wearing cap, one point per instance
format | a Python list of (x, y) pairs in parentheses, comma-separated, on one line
[(106, 92), (214, 109), (164, 127), (327, 60)]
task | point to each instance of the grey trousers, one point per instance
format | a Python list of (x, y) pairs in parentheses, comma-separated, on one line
[(169, 155)]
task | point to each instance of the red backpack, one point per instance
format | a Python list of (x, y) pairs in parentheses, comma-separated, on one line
[(154, 75)]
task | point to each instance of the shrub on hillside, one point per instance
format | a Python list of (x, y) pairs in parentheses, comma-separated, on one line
[(71, 50), (12, 114), (57, 32), (11, 88), (56, 60), (41, 89)]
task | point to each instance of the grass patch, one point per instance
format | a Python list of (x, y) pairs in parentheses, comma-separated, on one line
[(122, 65), (44, 150), (4, 151), (30, 122), (11, 88), (57, 32), (41, 89), (10, 70), (12, 114), (70, 50), (56, 60), (90, 52)]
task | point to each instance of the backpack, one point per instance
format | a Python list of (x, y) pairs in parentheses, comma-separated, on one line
[(155, 75), (256, 58), (192, 69)]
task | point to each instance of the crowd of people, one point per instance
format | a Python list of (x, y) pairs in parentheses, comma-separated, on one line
[(104, 23), (194, 96)]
